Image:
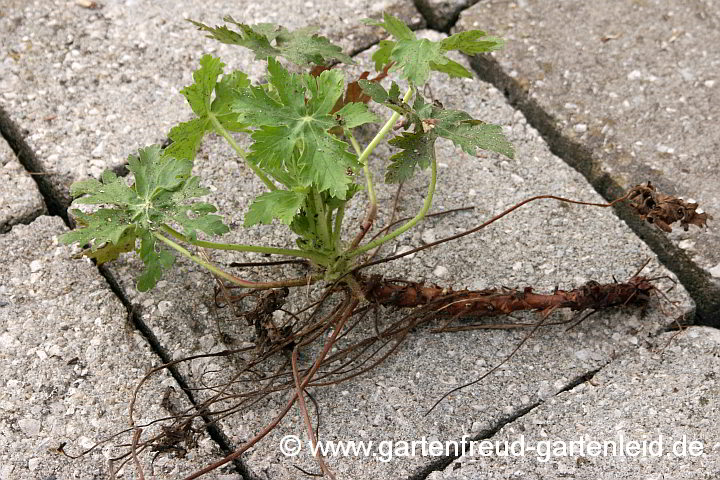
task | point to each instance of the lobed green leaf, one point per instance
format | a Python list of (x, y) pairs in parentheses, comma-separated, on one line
[(159, 196), (292, 140), (280, 204), (354, 114), (187, 136), (156, 260), (394, 26), (469, 42), (415, 58), (418, 151), (268, 40)]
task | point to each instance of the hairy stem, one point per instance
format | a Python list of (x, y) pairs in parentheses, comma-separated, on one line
[(363, 159), (337, 231), (238, 247), (227, 276), (366, 168), (421, 214), (226, 135), (321, 221)]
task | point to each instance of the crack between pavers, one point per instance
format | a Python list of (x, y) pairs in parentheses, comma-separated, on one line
[(444, 24), (443, 462), (29, 161), (698, 282), (701, 287), (215, 432), (20, 220), (56, 207)]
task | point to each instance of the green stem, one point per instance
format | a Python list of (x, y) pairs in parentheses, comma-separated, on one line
[(224, 275), (226, 135), (321, 222), (410, 223), (366, 169), (363, 159), (339, 216), (291, 252), (384, 130), (329, 224)]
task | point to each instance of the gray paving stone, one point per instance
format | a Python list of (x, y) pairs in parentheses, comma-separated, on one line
[(544, 245), (69, 362), (442, 14), (88, 86), (663, 395), (20, 199), (629, 92)]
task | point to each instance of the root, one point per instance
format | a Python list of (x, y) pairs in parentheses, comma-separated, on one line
[(493, 302), (325, 346), (342, 333)]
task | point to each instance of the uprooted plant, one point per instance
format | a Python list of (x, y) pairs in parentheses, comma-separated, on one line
[(304, 150)]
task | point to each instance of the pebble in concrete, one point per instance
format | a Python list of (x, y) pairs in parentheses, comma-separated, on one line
[(662, 397), (20, 200), (549, 243), (634, 83), (69, 362)]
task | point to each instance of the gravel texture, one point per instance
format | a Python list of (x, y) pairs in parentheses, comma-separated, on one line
[(69, 362), (20, 200), (90, 86), (543, 245), (663, 395), (629, 91)]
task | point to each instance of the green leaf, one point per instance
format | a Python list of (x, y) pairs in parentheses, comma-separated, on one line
[(280, 204), (452, 68), (469, 43), (225, 93), (432, 121), (374, 90), (418, 151), (390, 99), (415, 58), (102, 226), (199, 93), (187, 136), (154, 175), (111, 251), (381, 57), (268, 40), (355, 114), (156, 262), (292, 141), (394, 27), (159, 196), (111, 190), (470, 134)]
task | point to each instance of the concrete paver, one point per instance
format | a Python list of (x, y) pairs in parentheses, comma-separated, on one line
[(78, 82), (442, 14), (554, 245), (91, 85), (661, 397), (627, 92), (69, 362), (20, 199)]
